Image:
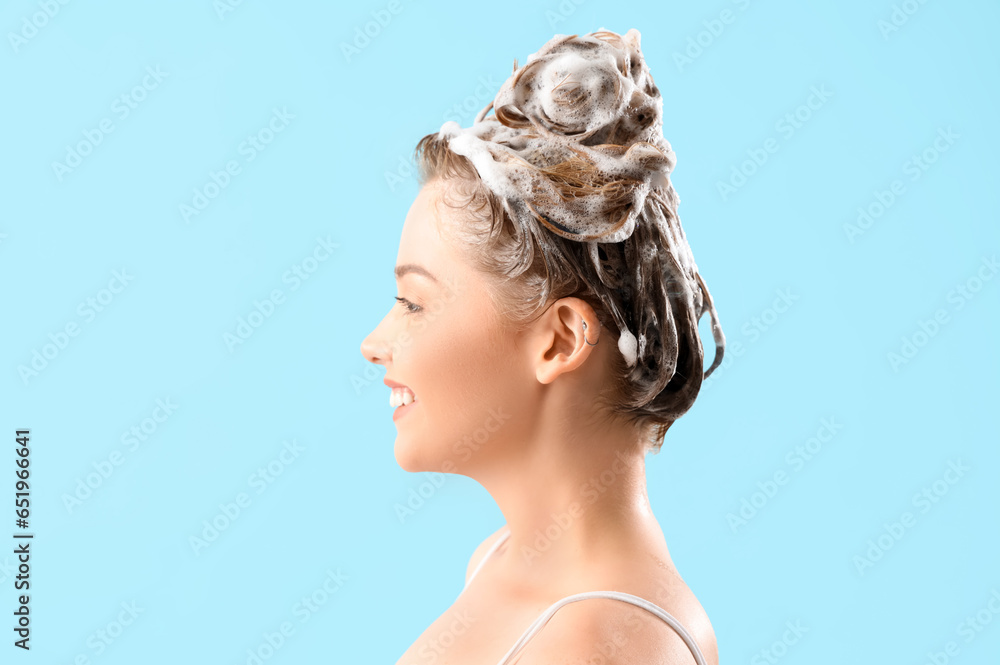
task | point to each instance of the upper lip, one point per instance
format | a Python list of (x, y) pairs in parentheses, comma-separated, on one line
[(393, 384)]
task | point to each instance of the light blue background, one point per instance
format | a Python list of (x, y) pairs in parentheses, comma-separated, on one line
[(301, 375)]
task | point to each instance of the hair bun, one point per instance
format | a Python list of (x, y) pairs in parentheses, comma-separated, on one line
[(576, 139)]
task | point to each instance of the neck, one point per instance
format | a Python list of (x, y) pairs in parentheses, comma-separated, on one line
[(571, 501)]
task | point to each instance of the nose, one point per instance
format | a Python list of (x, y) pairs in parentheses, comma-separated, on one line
[(374, 349)]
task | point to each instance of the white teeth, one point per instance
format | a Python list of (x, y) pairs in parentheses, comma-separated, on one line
[(400, 397)]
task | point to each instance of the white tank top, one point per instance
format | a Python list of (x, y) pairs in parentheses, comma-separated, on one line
[(614, 595)]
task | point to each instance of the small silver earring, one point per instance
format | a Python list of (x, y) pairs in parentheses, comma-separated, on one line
[(585, 336)]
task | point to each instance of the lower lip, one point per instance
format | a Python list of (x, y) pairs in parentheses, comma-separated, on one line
[(400, 410)]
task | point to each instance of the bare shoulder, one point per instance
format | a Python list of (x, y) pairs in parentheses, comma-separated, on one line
[(480, 551), (617, 633)]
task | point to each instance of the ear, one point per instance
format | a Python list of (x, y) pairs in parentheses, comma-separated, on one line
[(564, 343)]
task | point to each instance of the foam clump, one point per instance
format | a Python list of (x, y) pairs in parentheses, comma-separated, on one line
[(591, 98), (627, 345)]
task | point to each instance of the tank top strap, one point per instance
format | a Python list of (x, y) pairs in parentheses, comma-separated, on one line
[(540, 622), (614, 595), (493, 548)]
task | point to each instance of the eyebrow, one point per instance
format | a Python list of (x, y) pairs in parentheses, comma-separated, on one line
[(412, 267)]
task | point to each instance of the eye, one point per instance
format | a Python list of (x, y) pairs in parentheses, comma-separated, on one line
[(410, 307)]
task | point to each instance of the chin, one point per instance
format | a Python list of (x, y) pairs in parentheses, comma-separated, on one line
[(422, 456), (409, 458)]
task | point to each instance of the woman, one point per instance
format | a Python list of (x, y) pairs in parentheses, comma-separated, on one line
[(544, 339)]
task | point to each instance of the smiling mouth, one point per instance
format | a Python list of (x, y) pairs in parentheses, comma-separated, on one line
[(403, 409), (401, 397)]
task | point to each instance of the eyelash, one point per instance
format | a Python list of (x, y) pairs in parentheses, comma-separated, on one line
[(410, 307)]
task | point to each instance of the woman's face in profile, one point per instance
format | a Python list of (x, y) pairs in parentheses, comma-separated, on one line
[(442, 339)]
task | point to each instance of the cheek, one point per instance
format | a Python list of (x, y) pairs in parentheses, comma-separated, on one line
[(457, 362), (468, 382)]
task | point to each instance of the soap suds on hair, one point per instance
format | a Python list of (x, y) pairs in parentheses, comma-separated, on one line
[(575, 144)]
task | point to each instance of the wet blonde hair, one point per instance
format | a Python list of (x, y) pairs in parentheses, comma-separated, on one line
[(646, 282)]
